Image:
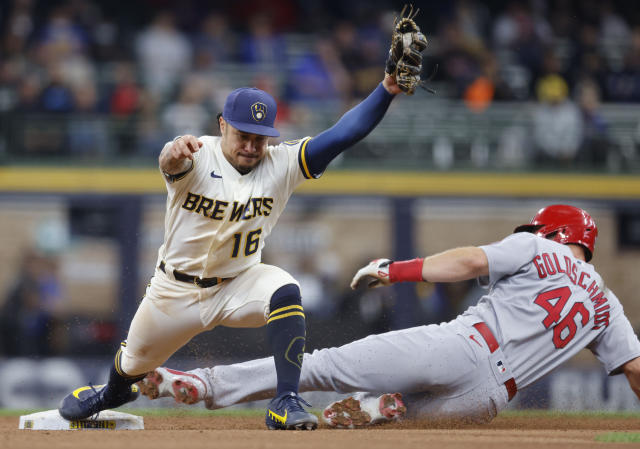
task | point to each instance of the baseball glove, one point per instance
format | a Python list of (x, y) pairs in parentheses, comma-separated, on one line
[(405, 55)]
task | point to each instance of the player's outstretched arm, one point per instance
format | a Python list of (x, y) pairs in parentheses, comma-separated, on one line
[(176, 157), (631, 369), (352, 127), (457, 264), (402, 74)]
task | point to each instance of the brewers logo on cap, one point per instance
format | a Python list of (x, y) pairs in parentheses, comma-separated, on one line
[(258, 111), (251, 110)]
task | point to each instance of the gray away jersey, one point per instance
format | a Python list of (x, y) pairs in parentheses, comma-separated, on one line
[(544, 306)]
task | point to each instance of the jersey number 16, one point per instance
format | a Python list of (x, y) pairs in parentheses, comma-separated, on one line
[(251, 243)]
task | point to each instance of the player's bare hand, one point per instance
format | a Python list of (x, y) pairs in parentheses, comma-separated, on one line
[(390, 84), (177, 156), (377, 273), (184, 147)]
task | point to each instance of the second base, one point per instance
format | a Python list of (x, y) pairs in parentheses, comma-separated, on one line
[(106, 420)]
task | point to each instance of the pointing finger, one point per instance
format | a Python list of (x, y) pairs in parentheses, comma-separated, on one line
[(192, 143)]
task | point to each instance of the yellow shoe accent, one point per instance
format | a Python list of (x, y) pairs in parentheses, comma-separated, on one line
[(76, 392), (281, 419)]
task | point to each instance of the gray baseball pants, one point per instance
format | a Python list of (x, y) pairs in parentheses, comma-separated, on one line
[(444, 371)]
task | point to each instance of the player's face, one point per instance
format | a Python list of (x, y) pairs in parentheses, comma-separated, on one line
[(244, 151)]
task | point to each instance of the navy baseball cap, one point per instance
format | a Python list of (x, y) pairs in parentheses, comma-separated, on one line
[(251, 110)]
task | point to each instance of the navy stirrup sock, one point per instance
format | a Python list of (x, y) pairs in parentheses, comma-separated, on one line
[(119, 382), (286, 336)]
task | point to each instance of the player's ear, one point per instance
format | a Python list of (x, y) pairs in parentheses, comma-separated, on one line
[(221, 122)]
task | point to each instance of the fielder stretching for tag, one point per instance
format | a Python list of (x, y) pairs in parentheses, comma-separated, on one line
[(225, 195), (545, 304)]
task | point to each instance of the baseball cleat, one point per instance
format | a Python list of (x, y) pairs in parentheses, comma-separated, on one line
[(286, 413), (364, 409), (186, 388), (85, 402)]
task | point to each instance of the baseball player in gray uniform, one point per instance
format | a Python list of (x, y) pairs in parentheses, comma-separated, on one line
[(544, 303), (225, 194)]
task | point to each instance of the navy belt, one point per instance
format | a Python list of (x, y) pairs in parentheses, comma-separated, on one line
[(492, 343), (200, 282)]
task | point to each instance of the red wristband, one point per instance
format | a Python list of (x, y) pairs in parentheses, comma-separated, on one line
[(406, 271)]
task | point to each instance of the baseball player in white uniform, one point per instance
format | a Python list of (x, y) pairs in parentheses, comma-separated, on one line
[(225, 194), (544, 303)]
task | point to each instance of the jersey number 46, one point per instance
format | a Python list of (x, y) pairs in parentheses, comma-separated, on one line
[(553, 302)]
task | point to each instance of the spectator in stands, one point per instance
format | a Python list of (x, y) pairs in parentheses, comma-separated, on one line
[(187, 115), (52, 47), (319, 75), (520, 37), (62, 35), (19, 26), (9, 80), (597, 144), (624, 85), (214, 43), (372, 50), (27, 316), (149, 132), (584, 60), (88, 132), (125, 93), (462, 57), (27, 91), (56, 95), (164, 54), (613, 28), (124, 98), (261, 44), (557, 124), (473, 18)]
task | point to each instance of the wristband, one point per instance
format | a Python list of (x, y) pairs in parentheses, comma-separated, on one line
[(406, 271)]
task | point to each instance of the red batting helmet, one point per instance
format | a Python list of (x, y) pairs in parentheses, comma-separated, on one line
[(564, 224)]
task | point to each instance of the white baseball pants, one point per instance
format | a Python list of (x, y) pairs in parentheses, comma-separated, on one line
[(173, 312)]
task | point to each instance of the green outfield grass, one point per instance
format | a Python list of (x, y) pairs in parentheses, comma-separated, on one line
[(559, 414), (619, 437)]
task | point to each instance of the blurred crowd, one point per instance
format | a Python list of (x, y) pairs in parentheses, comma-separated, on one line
[(160, 68), (91, 78), (29, 322), (35, 319)]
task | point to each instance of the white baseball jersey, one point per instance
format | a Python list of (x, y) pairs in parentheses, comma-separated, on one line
[(215, 226), (544, 306), (217, 220)]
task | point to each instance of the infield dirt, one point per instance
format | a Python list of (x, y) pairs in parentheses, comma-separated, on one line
[(222, 432)]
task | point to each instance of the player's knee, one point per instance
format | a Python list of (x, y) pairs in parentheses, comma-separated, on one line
[(287, 295), (129, 366)]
